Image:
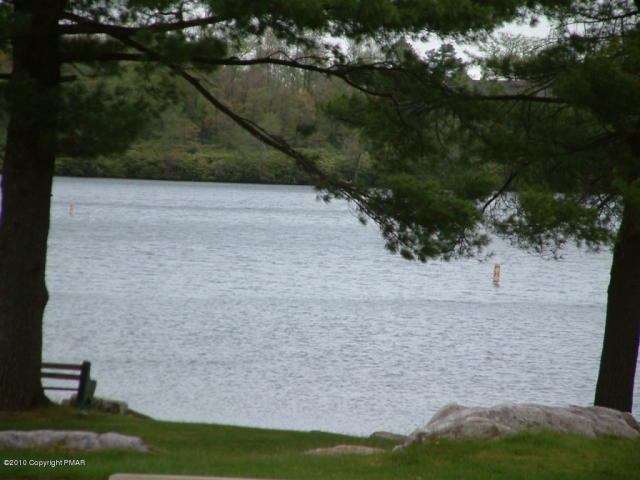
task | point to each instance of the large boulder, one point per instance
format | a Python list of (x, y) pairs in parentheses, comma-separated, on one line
[(456, 421), (71, 439)]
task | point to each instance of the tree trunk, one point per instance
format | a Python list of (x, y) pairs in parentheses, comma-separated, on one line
[(26, 191), (622, 330)]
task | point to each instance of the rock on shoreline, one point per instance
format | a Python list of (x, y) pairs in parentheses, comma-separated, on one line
[(108, 405), (346, 450), (71, 439), (456, 421)]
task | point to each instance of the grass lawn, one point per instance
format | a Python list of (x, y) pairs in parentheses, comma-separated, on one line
[(200, 449)]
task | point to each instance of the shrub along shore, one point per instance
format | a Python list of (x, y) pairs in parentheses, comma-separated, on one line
[(151, 162), (203, 449)]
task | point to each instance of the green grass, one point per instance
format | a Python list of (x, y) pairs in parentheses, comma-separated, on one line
[(200, 449)]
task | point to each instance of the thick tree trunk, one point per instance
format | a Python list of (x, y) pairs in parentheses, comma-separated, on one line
[(26, 190), (622, 330)]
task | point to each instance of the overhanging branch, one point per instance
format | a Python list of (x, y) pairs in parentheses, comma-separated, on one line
[(517, 97), (342, 72), (359, 197), (86, 26), (501, 191), (348, 190)]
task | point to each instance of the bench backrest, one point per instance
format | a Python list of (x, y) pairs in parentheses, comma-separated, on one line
[(78, 373)]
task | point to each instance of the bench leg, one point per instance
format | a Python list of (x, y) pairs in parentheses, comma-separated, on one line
[(86, 388)]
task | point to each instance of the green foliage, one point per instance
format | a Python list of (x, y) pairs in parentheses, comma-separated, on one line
[(544, 150), (6, 23), (364, 18), (150, 160), (104, 116), (422, 220), (546, 221), (176, 48)]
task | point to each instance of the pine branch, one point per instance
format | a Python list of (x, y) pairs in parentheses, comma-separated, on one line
[(87, 26), (338, 71)]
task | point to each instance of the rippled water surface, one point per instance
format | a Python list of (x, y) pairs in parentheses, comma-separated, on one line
[(258, 305)]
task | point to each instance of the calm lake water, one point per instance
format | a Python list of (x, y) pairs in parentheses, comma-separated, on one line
[(260, 306)]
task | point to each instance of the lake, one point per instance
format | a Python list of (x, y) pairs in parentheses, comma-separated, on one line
[(261, 306)]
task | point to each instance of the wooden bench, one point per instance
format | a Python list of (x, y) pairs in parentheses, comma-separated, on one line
[(81, 374)]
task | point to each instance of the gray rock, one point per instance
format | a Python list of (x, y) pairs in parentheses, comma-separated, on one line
[(71, 439), (394, 437), (112, 440), (457, 421), (108, 405), (346, 449)]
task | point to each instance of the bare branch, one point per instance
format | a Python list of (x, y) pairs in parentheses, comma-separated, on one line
[(518, 97), (507, 183)]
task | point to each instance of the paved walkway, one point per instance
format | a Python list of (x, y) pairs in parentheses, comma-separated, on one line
[(140, 476)]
